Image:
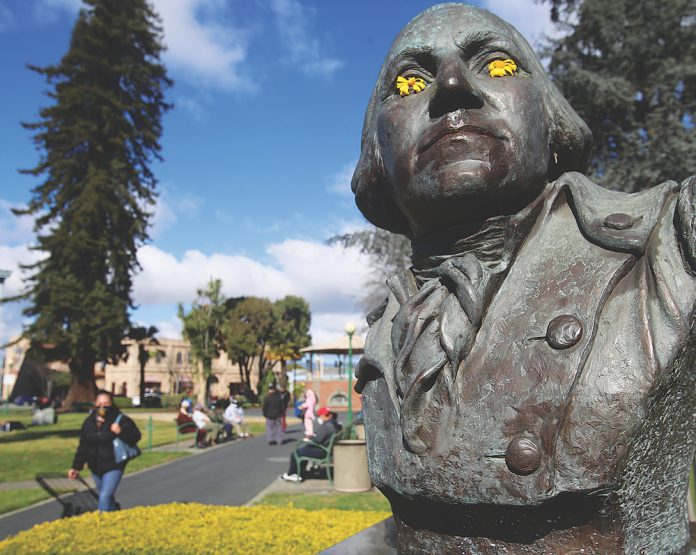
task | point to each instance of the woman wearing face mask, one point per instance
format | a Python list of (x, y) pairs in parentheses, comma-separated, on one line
[(96, 448)]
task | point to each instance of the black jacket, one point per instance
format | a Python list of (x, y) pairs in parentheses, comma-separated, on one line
[(325, 431), (273, 406), (96, 443), (285, 397)]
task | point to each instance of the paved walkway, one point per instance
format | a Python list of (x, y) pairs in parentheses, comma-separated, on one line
[(230, 474)]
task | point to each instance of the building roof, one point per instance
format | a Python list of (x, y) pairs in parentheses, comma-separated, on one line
[(339, 347)]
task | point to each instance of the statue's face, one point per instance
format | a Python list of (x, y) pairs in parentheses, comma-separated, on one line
[(466, 137)]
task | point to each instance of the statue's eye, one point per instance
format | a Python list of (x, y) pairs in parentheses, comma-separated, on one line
[(502, 68), (409, 85)]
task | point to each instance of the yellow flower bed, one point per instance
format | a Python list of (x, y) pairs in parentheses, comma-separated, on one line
[(183, 528)]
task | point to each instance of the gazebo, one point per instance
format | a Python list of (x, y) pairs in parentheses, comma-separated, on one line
[(339, 347)]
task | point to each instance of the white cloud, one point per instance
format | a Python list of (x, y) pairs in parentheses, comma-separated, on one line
[(193, 106), (329, 277), (171, 328), (15, 230), (530, 18), (293, 22), (17, 233), (202, 47), (11, 318), (207, 49), (330, 326), (70, 6), (340, 182), (172, 205), (47, 10), (10, 259)]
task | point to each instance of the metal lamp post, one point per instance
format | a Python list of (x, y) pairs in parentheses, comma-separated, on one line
[(350, 330)]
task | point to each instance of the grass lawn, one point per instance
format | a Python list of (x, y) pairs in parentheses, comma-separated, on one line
[(369, 501), (18, 498), (51, 448)]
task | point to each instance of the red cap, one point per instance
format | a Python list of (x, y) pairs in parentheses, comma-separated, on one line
[(323, 411)]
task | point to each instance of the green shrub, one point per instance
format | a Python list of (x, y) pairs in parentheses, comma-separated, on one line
[(184, 528), (123, 402), (172, 400)]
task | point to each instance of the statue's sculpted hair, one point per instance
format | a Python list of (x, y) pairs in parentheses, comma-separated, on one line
[(570, 138)]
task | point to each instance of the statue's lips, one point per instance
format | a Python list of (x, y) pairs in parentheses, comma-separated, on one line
[(449, 132)]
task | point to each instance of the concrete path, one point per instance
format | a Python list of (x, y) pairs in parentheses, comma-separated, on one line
[(230, 474)]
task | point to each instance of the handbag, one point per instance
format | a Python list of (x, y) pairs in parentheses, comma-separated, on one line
[(122, 451)]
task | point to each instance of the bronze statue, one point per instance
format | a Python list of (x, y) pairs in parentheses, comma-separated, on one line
[(528, 385)]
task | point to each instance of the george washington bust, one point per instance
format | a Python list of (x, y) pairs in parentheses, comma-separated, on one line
[(528, 385)]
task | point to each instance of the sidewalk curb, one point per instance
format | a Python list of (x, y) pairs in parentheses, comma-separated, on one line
[(260, 495)]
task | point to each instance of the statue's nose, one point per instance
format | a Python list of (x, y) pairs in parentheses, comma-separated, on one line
[(455, 88)]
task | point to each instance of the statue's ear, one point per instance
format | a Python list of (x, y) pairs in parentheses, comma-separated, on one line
[(373, 193), (570, 140), (685, 221)]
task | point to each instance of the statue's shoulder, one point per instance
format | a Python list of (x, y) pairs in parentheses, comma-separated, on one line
[(613, 219)]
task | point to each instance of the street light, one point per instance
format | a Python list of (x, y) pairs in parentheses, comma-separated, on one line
[(350, 330)]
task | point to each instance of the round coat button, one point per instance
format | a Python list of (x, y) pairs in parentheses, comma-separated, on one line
[(563, 331), (618, 221), (522, 456)]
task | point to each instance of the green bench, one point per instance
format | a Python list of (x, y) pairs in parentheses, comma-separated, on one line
[(325, 460)]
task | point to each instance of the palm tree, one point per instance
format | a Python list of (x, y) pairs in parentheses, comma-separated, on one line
[(145, 337)]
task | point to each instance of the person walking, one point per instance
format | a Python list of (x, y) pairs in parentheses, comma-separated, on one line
[(308, 408), (105, 423), (273, 411)]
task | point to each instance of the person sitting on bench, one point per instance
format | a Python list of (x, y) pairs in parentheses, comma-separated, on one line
[(206, 426), (322, 436)]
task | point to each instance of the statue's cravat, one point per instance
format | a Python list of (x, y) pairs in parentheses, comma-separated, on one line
[(443, 299), (432, 332)]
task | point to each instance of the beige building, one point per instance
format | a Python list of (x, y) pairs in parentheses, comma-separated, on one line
[(172, 370), (169, 370)]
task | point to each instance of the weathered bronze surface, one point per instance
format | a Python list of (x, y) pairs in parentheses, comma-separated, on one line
[(529, 385)]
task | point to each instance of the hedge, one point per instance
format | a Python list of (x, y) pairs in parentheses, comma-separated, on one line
[(188, 528)]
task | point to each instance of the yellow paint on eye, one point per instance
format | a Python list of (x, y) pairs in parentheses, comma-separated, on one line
[(502, 68), (409, 85)]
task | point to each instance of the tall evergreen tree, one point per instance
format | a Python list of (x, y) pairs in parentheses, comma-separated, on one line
[(629, 69), (97, 141)]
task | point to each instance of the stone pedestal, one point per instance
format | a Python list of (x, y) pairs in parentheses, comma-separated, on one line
[(350, 466)]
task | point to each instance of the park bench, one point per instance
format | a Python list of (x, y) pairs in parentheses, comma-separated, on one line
[(326, 460), (185, 429)]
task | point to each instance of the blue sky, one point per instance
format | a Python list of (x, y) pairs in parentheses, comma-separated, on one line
[(258, 152)]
